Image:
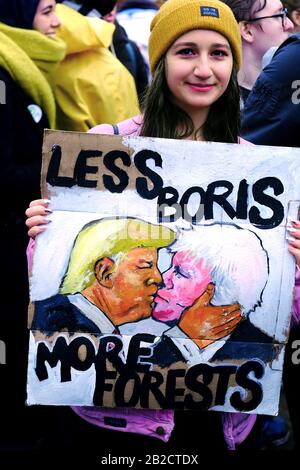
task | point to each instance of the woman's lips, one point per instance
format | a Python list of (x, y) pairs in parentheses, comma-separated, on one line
[(201, 88)]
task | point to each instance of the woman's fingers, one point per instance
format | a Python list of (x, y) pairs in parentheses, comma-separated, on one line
[(36, 220), (36, 215), (34, 231), (40, 202), (36, 224), (37, 210), (38, 207), (295, 251), (294, 245)]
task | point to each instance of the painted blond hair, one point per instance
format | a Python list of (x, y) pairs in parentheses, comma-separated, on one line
[(113, 238)]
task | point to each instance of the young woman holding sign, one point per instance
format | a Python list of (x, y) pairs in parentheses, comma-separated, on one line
[(195, 53)]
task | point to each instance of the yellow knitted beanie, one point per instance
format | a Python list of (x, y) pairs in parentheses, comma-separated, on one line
[(177, 17)]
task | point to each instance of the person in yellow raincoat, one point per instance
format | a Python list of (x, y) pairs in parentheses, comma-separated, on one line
[(91, 86)]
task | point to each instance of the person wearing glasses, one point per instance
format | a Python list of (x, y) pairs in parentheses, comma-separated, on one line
[(271, 116), (263, 24), (293, 12)]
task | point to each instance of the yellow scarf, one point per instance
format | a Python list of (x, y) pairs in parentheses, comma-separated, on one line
[(29, 56)]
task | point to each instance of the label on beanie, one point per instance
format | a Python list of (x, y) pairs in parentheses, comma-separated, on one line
[(209, 11)]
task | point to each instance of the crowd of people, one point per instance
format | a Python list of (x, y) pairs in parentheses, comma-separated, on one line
[(100, 65)]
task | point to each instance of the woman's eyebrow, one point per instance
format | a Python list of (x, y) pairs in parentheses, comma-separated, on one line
[(221, 45), (48, 7), (184, 44), (193, 44)]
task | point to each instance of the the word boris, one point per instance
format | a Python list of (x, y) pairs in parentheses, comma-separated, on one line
[(150, 185)]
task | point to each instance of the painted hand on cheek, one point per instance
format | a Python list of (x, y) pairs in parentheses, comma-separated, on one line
[(206, 323)]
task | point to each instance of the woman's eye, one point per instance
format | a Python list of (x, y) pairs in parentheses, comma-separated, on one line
[(186, 51), (219, 53), (47, 11)]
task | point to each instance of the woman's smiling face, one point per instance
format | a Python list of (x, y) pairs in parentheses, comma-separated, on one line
[(198, 69), (45, 20)]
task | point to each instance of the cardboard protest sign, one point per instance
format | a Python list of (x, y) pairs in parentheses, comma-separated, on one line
[(163, 279)]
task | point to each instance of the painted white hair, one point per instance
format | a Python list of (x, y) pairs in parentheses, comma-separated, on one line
[(236, 257)]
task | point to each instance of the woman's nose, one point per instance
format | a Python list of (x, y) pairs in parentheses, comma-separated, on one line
[(202, 68), (55, 21)]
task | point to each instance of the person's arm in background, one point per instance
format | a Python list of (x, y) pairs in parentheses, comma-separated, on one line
[(272, 117), (271, 114)]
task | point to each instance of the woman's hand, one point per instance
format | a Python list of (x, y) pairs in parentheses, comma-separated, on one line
[(37, 216), (294, 245)]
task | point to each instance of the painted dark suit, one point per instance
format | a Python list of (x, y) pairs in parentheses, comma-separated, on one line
[(245, 343), (58, 313)]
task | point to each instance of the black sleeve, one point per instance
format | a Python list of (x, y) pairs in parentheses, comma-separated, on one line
[(141, 78), (21, 144), (131, 57)]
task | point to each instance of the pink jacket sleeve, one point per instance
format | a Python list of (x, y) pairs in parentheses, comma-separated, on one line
[(29, 253)]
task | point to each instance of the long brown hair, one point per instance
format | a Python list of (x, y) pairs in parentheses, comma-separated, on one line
[(163, 118)]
